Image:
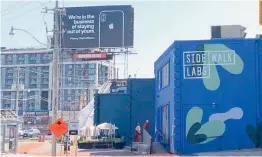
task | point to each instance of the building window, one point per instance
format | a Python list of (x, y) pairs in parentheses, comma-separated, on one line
[(91, 65), (165, 121), (92, 71), (159, 79), (91, 77), (165, 75)]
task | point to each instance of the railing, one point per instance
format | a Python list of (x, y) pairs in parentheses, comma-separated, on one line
[(162, 140), (147, 139)]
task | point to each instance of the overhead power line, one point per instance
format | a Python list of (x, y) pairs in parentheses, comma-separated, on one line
[(27, 12), (15, 8)]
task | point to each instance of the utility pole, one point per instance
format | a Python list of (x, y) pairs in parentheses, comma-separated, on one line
[(17, 107), (55, 73)]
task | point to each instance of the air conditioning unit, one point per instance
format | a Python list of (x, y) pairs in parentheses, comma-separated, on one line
[(259, 36), (228, 31)]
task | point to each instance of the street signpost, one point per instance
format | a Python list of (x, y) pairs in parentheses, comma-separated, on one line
[(58, 128), (73, 127)]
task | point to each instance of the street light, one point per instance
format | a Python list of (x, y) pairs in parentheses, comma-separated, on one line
[(11, 33)]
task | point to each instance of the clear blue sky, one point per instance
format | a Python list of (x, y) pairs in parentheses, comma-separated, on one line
[(157, 23)]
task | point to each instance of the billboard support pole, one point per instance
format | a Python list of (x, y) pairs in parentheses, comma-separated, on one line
[(55, 74), (114, 66)]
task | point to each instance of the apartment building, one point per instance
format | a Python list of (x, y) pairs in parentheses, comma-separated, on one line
[(33, 67)]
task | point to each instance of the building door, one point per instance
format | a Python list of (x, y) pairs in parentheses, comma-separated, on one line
[(165, 121)]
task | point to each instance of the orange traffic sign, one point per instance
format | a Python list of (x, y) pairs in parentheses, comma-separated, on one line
[(58, 128)]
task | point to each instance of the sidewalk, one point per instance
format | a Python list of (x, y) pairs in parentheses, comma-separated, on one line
[(26, 148)]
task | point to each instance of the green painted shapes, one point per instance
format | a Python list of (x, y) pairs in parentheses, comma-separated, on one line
[(255, 134), (197, 134), (194, 115), (215, 52), (194, 138), (212, 129)]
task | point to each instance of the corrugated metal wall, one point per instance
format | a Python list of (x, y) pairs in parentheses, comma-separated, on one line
[(213, 110), (115, 107), (141, 94), (112, 108)]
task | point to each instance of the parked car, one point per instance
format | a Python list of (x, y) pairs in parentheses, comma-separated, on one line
[(25, 133), (20, 132), (33, 133)]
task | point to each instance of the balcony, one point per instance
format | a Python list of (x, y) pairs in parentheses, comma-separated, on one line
[(32, 86), (10, 71), (45, 61), (45, 75), (21, 58), (8, 62), (45, 81), (21, 62), (33, 81), (8, 86), (32, 61), (7, 106), (33, 75), (9, 76), (8, 58), (22, 81), (9, 82), (32, 58), (69, 73), (22, 75), (45, 69), (45, 57)]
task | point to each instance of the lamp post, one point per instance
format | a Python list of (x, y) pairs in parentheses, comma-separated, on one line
[(18, 87), (11, 33)]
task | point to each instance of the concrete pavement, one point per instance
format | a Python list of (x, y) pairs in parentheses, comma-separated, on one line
[(44, 149)]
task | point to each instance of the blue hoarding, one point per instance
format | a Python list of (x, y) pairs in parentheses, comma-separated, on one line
[(211, 93), (97, 26)]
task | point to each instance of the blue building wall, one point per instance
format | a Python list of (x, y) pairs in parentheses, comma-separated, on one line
[(115, 107), (141, 96), (215, 93)]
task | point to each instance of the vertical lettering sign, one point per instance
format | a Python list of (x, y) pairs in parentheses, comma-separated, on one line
[(260, 12), (196, 64)]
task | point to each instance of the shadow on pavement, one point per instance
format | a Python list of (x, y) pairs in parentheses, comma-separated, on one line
[(108, 152)]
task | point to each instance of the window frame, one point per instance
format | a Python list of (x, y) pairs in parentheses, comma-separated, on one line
[(159, 79), (167, 75), (160, 85)]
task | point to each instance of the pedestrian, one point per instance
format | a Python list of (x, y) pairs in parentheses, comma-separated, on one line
[(137, 136), (146, 125)]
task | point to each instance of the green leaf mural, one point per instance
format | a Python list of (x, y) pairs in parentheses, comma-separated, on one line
[(212, 129), (194, 138), (199, 133), (213, 50), (193, 116), (255, 134)]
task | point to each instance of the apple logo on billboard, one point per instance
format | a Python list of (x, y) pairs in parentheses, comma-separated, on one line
[(111, 26)]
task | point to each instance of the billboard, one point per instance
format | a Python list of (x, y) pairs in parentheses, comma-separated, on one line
[(98, 26)]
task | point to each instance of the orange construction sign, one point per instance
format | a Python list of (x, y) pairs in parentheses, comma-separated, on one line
[(260, 12), (58, 128)]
